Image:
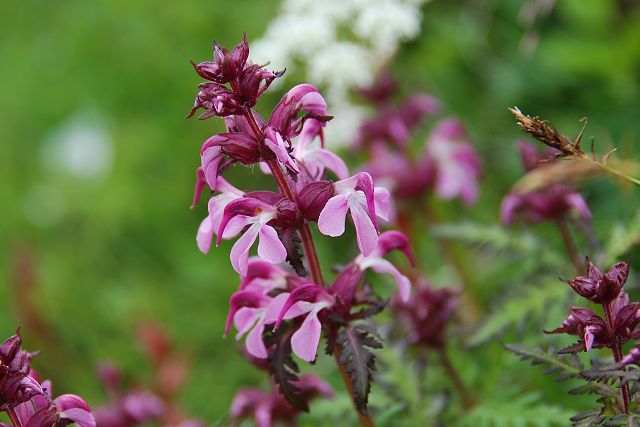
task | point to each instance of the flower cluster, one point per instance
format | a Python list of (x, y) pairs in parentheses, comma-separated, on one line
[(448, 164), (621, 317), (428, 314), (554, 203), (313, 186), (27, 401)]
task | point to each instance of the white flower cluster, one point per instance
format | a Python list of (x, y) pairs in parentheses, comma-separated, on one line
[(341, 44)]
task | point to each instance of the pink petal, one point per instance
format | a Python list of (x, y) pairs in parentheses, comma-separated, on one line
[(332, 217), (79, 416), (588, 338), (263, 415), (240, 250), (329, 160), (382, 201), (304, 341), (254, 344), (275, 307), (244, 319), (281, 152), (576, 201), (366, 233), (381, 265), (235, 226), (205, 235), (270, 248)]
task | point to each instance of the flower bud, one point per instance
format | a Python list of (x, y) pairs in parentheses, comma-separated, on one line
[(314, 197)]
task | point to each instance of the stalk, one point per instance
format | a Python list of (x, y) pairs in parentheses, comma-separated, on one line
[(452, 373), (310, 253), (570, 245), (617, 355)]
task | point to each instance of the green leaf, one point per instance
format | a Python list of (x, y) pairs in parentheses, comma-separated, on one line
[(534, 302)]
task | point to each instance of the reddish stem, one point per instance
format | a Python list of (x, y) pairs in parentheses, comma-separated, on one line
[(452, 373), (617, 355), (569, 245)]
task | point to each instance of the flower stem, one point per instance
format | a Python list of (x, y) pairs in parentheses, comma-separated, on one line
[(570, 245), (610, 170), (617, 355), (452, 373)]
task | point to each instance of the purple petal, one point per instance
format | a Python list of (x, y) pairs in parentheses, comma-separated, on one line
[(244, 319), (382, 201), (263, 415), (240, 251), (211, 158), (270, 248), (79, 416), (304, 341), (575, 201), (366, 233), (205, 235), (381, 265), (254, 344), (329, 160), (332, 218)]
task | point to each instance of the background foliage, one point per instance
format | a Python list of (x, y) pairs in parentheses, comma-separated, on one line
[(86, 258)]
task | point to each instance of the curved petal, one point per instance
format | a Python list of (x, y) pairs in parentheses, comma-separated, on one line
[(304, 341), (366, 233), (205, 235), (333, 215), (270, 248), (79, 416), (235, 226), (381, 265), (275, 307), (240, 250), (382, 202), (329, 160), (281, 152), (263, 415), (254, 344), (244, 319)]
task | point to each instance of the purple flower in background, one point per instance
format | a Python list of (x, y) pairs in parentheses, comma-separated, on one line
[(427, 314), (553, 203), (358, 196), (268, 408), (456, 163), (598, 287)]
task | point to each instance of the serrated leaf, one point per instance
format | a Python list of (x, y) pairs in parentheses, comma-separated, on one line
[(283, 368), (358, 361), (292, 243), (626, 420), (555, 362), (534, 302)]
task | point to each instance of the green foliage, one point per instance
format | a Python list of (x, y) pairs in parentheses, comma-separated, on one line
[(533, 303)]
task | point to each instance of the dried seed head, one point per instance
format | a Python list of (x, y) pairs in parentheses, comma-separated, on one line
[(543, 132)]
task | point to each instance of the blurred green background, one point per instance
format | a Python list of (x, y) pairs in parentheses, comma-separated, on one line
[(89, 250)]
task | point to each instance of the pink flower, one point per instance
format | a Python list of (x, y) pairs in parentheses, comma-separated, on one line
[(308, 299), (388, 241), (250, 312), (255, 213), (357, 195), (211, 223), (457, 165), (314, 160), (263, 277)]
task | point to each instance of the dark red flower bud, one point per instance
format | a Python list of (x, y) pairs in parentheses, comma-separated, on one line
[(216, 100), (345, 285), (225, 66), (252, 82), (600, 288), (287, 213), (313, 197)]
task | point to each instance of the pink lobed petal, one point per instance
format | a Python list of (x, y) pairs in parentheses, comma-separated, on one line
[(304, 341), (244, 319), (332, 217), (366, 233), (270, 248), (240, 250), (382, 202), (79, 416), (381, 265), (205, 235), (254, 344)]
